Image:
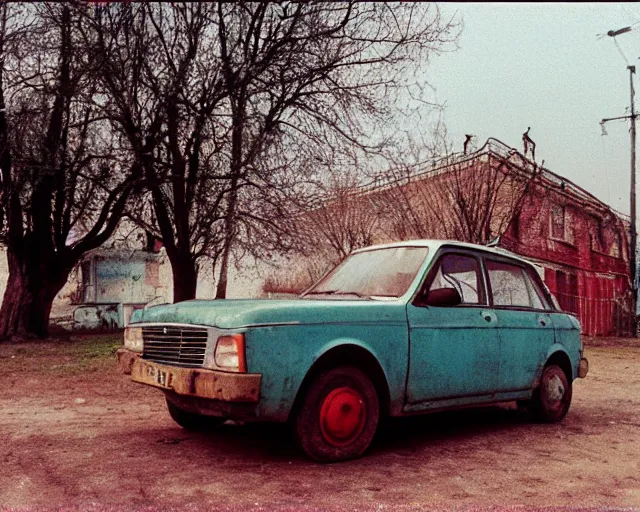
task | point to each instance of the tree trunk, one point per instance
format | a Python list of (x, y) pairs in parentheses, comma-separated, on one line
[(28, 297), (236, 168), (185, 278), (221, 291)]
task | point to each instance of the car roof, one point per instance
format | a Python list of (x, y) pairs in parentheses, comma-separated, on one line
[(436, 244)]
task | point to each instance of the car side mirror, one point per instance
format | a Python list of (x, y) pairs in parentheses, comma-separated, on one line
[(443, 297)]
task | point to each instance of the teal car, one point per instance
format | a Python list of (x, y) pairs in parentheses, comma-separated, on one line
[(394, 330)]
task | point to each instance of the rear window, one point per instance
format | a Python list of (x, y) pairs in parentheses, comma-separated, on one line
[(511, 286)]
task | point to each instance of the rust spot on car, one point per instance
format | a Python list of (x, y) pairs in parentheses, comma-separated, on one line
[(125, 360), (192, 382), (228, 387)]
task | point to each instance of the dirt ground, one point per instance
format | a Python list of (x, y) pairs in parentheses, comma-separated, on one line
[(75, 433)]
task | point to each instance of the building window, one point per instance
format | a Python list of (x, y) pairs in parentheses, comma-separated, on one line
[(595, 235), (557, 222), (616, 246), (561, 228), (515, 226)]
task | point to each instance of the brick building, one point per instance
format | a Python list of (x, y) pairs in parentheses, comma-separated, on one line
[(494, 195), (582, 246)]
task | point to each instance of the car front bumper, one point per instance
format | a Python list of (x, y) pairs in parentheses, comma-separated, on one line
[(191, 382)]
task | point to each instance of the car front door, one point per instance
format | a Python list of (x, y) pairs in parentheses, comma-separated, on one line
[(526, 328), (454, 351)]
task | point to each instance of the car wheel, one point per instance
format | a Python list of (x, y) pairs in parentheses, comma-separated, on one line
[(338, 416), (191, 420), (552, 397)]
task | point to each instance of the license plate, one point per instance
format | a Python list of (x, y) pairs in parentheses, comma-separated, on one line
[(159, 377)]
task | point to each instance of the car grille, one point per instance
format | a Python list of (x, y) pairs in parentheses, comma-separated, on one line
[(182, 346)]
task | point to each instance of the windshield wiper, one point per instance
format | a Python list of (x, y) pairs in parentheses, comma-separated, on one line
[(334, 292), (357, 294)]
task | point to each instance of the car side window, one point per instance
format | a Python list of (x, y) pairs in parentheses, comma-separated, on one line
[(511, 286), (537, 288), (461, 273)]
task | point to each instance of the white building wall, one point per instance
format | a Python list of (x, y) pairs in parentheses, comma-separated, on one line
[(242, 284)]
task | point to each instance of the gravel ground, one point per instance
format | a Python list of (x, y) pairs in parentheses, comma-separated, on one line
[(76, 435)]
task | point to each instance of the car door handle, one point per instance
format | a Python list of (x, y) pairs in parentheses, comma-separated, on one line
[(542, 321), (489, 317)]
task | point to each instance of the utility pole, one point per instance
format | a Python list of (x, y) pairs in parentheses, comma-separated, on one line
[(632, 252), (632, 193)]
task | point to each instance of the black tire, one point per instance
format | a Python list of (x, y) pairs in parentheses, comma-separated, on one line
[(193, 421), (552, 397), (338, 416)]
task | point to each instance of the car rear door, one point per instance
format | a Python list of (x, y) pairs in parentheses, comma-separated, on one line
[(454, 351), (526, 327)]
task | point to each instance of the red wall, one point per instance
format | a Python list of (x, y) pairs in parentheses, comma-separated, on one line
[(591, 283)]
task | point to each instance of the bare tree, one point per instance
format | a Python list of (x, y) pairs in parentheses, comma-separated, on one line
[(177, 93), (472, 198), (343, 220), (158, 66), (62, 190), (340, 220), (236, 102), (314, 75)]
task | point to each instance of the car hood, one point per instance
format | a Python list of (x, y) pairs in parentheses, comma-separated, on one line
[(230, 314)]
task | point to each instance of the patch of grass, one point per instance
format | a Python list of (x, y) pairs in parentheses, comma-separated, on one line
[(96, 346), (87, 352), (69, 355)]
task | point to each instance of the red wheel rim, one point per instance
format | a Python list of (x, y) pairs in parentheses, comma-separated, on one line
[(342, 416)]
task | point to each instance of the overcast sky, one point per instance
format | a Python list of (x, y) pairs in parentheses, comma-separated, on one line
[(550, 67)]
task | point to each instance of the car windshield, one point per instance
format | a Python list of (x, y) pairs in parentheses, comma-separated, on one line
[(377, 273)]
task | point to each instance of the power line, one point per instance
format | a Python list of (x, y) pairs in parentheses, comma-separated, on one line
[(620, 50), (604, 165)]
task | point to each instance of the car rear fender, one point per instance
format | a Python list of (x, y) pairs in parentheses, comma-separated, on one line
[(556, 355)]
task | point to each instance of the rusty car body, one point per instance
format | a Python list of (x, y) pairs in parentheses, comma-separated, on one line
[(395, 329)]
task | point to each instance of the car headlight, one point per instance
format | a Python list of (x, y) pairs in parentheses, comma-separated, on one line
[(133, 338), (230, 353)]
